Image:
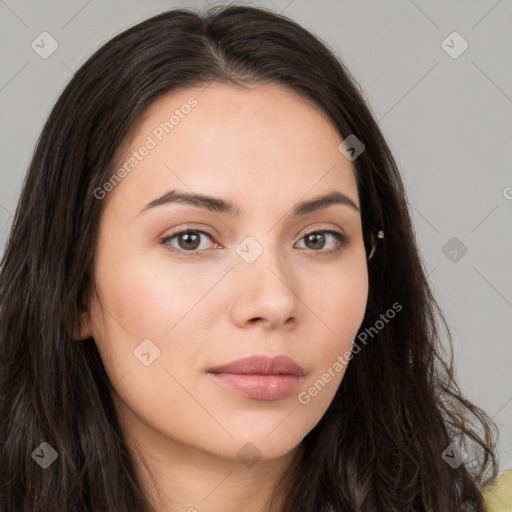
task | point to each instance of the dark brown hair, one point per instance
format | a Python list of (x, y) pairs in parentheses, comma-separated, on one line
[(378, 447)]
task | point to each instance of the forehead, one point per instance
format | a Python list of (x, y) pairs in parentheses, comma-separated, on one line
[(266, 142)]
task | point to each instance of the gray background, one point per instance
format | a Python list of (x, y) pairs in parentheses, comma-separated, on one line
[(448, 121)]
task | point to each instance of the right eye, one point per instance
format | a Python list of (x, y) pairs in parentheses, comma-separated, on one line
[(189, 239)]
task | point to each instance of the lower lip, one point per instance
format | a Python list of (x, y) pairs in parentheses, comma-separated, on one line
[(259, 387)]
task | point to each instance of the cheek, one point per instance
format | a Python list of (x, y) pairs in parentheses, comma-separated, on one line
[(146, 296), (144, 300), (339, 309), (339, 300)]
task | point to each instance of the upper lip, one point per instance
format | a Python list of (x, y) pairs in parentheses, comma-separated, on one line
[(261, 365)]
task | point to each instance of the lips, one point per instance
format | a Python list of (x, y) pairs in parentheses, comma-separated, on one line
[(262, 365), (260, 377)]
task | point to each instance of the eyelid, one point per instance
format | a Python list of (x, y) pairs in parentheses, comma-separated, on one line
[(341, 237), (308, 229)]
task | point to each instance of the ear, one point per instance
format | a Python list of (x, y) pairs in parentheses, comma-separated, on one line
[(84, 330)]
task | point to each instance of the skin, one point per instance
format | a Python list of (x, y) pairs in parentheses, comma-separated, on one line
[(265, 149)]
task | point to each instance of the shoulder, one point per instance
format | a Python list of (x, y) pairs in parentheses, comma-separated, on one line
[(498, 493)]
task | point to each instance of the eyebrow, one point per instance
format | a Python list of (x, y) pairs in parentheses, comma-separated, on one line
[(219, 205)]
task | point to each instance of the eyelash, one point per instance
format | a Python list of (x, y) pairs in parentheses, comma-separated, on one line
[(341, 238)]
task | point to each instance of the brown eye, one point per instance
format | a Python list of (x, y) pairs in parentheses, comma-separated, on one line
[(188, 240), (315, 240)]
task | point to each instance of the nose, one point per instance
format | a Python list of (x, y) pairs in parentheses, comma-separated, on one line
[(266, 292)]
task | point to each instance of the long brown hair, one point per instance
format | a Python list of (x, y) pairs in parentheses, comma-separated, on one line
[(379, 446)]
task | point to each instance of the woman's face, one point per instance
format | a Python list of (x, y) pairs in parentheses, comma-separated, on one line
[(250, 280)]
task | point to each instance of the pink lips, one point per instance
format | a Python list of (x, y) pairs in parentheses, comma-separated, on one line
[(260, 377)]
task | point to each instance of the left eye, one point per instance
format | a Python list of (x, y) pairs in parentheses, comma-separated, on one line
[(319, 237), (189, 240)]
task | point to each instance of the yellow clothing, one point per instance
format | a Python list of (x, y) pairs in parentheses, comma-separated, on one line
[(498, 495)]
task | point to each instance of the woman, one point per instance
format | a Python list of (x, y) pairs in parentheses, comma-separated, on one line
[(212, 297)]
